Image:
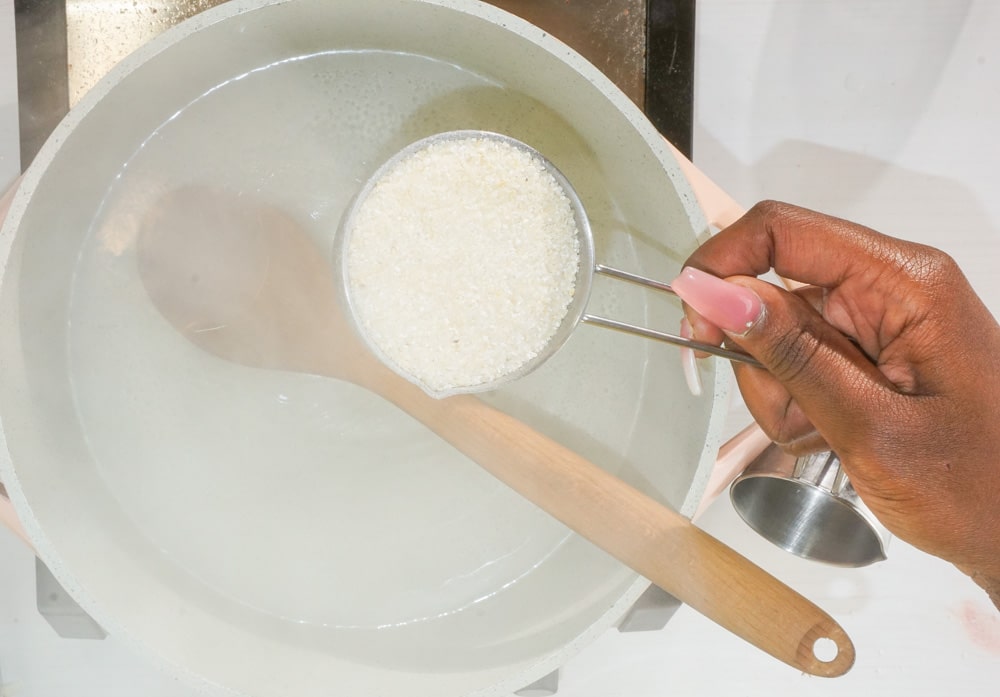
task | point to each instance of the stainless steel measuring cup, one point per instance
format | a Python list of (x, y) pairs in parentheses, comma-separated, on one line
[(808, 507), (576, 312)]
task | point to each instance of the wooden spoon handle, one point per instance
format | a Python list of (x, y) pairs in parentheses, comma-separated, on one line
[(647, 536)]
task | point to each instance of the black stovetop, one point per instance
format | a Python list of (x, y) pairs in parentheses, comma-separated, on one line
[(645, 46)]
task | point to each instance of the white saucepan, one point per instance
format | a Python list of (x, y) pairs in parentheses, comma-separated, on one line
[(274, 533)]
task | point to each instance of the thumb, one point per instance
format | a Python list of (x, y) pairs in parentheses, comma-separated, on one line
[(822, 370)]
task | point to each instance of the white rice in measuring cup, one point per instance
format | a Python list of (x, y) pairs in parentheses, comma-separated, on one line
[(462, 261)]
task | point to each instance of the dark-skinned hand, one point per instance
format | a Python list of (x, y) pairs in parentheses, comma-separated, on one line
[(886, 356)]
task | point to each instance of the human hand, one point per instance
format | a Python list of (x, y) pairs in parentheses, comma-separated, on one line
[(886, 357)]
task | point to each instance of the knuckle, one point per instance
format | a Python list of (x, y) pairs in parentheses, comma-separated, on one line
[(928, 267), (790, 357), (936, 267), (770, 210)]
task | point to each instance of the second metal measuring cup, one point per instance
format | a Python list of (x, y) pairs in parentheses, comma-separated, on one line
[(808, 507)]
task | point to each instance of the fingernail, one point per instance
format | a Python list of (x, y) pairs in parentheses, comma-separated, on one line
[(732, 308), (689, 361)]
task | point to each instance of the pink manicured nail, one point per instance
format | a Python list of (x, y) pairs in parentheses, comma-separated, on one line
[(689, 361), (730, 307)]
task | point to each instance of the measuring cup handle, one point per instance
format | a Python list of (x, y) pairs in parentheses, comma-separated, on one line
[(720, 209), (9, 519), (8, 516), (735, 455)]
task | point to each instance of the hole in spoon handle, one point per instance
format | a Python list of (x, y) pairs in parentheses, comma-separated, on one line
[(829, 652), (825, 650)]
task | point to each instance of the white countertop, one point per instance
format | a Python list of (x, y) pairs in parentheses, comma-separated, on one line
[(881, 112)]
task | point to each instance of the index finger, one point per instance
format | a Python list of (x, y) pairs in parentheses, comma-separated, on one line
[(785, 238)]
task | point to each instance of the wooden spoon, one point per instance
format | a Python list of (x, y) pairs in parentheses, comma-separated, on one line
[(242, 281)]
